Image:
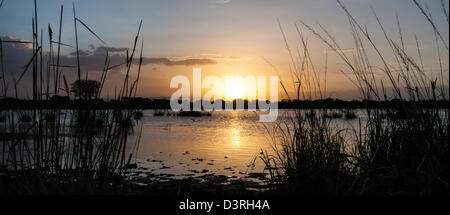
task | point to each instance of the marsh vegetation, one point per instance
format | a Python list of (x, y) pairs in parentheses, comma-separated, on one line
[(58, 151), (401, 149)]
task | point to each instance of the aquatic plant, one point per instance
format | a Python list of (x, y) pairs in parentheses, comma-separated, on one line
[(401, 149), (78, 150)]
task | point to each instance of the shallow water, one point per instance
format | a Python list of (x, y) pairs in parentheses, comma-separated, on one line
[(227, 143)]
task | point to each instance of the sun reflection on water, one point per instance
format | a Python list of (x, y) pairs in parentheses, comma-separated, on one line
[(236, 138), (235, 132)]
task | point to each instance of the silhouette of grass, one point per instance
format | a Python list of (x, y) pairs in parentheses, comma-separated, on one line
[(401, 149), (60, 151)]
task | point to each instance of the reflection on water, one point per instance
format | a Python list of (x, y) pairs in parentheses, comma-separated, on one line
[(226, 143), (236, 139)]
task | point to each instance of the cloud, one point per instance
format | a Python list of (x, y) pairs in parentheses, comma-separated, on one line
[(212, 57), (16, 55), (176, 58), (94, 60), (185, 62), (225, 58), (81, 53), (110, 49)]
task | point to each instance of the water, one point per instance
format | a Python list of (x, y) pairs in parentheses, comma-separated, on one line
[(227, 143)]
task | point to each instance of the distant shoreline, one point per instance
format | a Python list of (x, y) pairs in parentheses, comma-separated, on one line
[(144, 103)]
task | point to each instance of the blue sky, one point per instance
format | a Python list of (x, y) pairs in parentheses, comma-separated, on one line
[(244, 29)]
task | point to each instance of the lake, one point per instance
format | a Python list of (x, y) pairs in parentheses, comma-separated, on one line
[(227, 143)]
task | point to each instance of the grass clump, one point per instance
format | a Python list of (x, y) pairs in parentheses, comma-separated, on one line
[(400, 149), (82, 150), (309, 156)]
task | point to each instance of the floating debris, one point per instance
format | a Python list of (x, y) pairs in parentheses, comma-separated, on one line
[(258, 175), (165, 175), (165, 167)]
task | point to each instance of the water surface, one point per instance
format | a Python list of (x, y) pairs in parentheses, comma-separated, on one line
[(227, 143)]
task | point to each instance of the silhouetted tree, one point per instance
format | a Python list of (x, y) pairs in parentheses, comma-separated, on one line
[(85, 89)]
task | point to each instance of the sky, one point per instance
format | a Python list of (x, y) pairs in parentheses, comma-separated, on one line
[(223, 37)]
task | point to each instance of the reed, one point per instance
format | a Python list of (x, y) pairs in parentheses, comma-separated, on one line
[(56, 151), (399, 150), (308, 153)]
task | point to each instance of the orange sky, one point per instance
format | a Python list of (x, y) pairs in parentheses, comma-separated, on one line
[(222, 37)]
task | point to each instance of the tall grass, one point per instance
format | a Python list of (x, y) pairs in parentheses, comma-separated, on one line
[(309, 153), (83, 150), (399, 150)]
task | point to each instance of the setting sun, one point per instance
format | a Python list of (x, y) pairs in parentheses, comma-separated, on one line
[(234, 90)]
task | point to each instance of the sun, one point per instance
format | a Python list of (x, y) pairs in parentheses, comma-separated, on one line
[(234, 90)]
